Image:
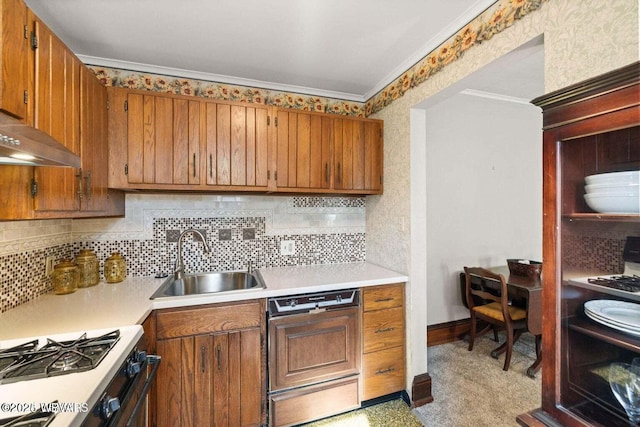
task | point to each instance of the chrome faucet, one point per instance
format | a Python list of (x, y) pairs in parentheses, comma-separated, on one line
[(178, 270)]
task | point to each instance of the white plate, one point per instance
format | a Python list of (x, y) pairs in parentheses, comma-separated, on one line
[(620, 312), (610, 321), (611, 325)]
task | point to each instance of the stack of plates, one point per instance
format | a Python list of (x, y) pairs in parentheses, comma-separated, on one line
[(616, 192), (620, 315)]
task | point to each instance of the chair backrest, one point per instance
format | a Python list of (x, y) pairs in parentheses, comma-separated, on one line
[(488, 286)]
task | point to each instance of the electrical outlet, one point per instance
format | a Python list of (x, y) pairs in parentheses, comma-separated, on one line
[(48, 265), (287, 247), (224, 234)]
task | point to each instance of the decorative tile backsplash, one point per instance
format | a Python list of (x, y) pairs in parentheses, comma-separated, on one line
[(239, 230), (153, 256), (22, 275), (595, 246)]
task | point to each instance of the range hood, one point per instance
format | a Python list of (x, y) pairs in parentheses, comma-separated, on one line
[(21, 144)]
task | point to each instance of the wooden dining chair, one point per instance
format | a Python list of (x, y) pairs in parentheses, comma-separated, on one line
[(497, 311)]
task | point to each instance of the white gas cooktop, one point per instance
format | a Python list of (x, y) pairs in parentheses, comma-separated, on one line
[(76, 393)]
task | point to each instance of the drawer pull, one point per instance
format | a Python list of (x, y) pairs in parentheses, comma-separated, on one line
[(384, 371), (384, 299), (382, 331), (203, 354)]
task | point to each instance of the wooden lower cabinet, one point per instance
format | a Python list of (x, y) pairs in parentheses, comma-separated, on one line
[(383, 340), (213, 365)]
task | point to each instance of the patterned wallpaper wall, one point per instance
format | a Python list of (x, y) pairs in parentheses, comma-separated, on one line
[(492, 21)]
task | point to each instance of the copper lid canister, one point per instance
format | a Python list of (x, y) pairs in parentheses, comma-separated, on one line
[(89, 267), (115, 268), (65, 277)]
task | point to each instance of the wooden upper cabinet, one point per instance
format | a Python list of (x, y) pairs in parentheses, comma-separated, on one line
[(57, 87), (174, 142), (93, 139), (303, 150), (358, 155), (56, 111), (14, 81), (66, 102), (163, 139), (327, 154), (236, 145)]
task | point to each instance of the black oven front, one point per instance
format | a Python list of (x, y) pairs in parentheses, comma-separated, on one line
[(123, 402)]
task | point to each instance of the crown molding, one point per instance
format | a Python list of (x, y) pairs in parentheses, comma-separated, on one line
[(218, 78), (496, 96)]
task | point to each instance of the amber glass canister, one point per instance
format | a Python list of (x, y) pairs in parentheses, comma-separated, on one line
[(89, 268), (65, 277), (115, 268)]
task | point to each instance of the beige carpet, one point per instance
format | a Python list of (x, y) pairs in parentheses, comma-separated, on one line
[(471, 389)]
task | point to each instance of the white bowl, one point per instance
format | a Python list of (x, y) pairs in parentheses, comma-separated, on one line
[(612, 189), (615, 178), (614, 203)]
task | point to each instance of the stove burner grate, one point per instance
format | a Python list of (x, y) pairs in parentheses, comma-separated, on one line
[(27, 362), (624, 283)]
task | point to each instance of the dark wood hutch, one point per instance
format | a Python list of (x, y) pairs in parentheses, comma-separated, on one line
[(590, 128)]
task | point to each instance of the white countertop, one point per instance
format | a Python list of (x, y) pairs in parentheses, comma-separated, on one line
[(109, 305)]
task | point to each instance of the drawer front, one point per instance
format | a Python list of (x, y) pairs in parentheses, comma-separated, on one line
[(173, 323), (383, 373), (380, 297), (383, 329), (315, 402)]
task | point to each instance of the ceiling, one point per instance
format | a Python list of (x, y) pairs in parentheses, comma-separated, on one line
[(346, 49)]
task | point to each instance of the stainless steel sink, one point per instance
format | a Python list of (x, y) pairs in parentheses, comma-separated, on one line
[(208, 283)]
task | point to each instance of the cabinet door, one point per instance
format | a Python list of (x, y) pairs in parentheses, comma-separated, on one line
[(236, 378), (173, 382), (211, 379), (57, 113), (117, 131), (93, 138), (17, 202), (303, 158), (236, 145), (163, 140), (57, 100), (358, 155), (13, 58)]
